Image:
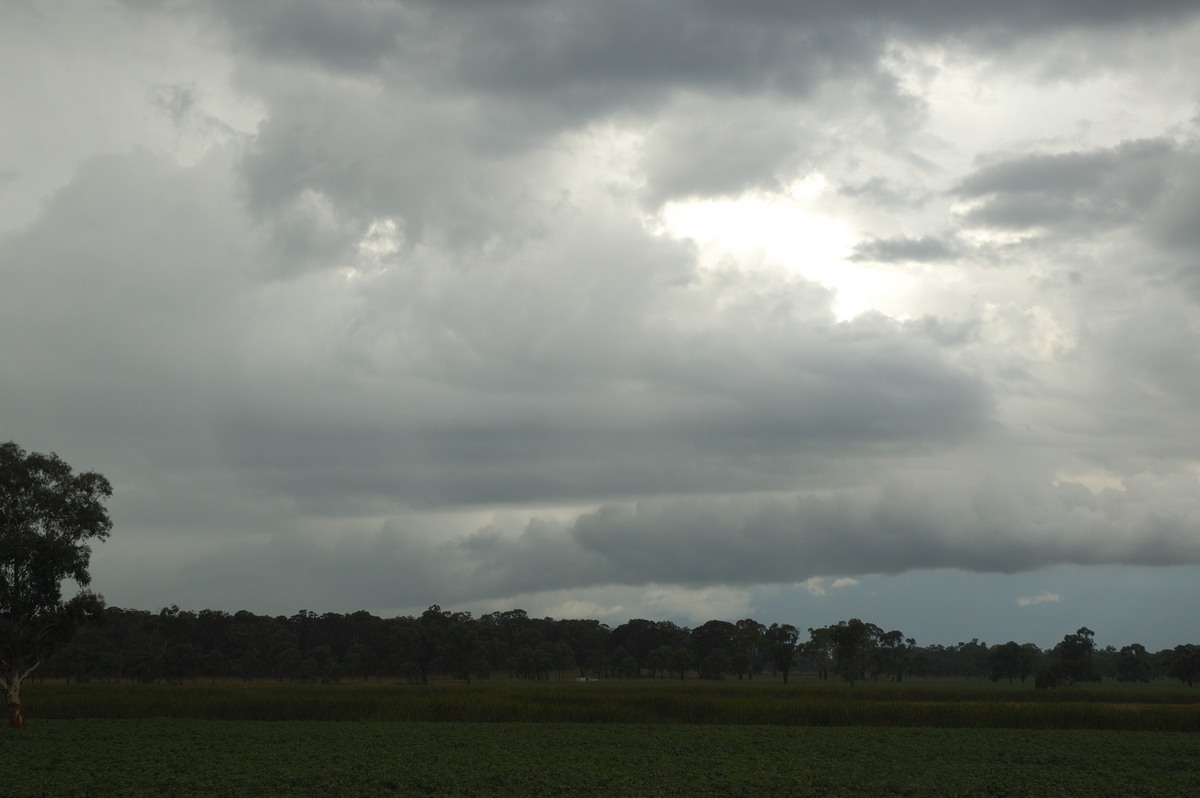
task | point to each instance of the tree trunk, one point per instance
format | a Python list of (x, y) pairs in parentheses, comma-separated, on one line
[(15, 718)]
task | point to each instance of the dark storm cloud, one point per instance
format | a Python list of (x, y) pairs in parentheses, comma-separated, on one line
[(947, 17), (978, 528), (445, 135), (465, 91), (905, 525), (984, 527), (351, 35), (551, 43), (574, 54)]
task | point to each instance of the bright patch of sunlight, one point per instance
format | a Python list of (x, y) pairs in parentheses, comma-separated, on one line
[(772, 230), (376, 248)]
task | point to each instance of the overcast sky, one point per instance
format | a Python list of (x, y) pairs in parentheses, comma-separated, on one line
[(672, 309)]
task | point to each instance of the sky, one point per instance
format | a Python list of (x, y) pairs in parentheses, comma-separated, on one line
[(798, 311)]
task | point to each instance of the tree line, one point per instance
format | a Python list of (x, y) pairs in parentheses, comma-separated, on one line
[(175, 645), (49, 515)]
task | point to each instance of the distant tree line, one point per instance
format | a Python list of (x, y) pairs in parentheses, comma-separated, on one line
[(176, 645)]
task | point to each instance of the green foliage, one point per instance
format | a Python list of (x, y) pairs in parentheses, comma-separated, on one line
[(1134, 664), (783, 643), (854, 642), (48, 514), (1071, 662), (1184, 664), (1012, 661)]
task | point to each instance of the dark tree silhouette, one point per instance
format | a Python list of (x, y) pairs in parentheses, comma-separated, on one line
[(1184, 664), (854, 644), (48, 514), (1070, 662), (1134, 664), (782, 642)]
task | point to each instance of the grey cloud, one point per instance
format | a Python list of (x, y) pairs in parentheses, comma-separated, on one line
[(922, 249), (352, 35), (178, 102), (593, 54), (367, 156), (289, 411), (948, 332), (1146, 191), (597, 366), (454, 95), (568, 53), (1173, 217), (722, 148), (1110, 186), (1070, 172), (123, 321), (963, 521), (587, 58), (451, 110), (976, 527), (994, 22), (1155, 348), (649, 409), (884, 193)]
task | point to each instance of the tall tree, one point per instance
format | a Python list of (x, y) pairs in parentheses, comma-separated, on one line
[(892, 653), (749, 646), (587, 639), (782, 642), (1134, 664), (1005, 661), (48, 514), (1184, 663), (1070, 661), (638, 637), (854, 643), (819, 650), (713, 641)]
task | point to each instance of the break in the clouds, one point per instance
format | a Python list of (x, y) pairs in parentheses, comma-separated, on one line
[(668, 309)]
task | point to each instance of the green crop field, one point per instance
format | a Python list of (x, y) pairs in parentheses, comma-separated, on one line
[(293, 758), (612, 739)]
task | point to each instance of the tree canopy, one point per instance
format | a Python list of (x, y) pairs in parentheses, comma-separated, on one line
[(48, 515)]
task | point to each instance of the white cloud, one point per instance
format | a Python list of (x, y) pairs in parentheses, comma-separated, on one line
[(1043, 598), (821, 585)]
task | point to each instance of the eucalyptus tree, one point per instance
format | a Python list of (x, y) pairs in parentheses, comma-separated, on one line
[(854, 643), (783, 640), (48, 514)]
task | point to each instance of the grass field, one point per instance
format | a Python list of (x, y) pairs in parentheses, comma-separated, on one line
[(1155, 707), (612, 739)]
